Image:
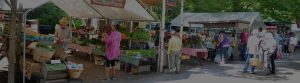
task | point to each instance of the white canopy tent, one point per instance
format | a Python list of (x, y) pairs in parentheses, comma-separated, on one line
[(253, 18), (133, 10)]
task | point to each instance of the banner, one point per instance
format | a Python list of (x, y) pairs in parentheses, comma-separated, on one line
[(151, 2), (111, 3), (171, 3)]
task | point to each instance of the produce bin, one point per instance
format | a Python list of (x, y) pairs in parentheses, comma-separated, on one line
[(54, 71)]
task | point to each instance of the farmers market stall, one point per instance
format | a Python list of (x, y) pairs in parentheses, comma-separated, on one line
[(232, 22)]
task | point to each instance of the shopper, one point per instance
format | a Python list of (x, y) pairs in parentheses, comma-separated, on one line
[(268, 45), (112, 40), (224, 44), (252, 50), (292, 45), (244, 39), (286, 44), (63, 34), (174, 52)]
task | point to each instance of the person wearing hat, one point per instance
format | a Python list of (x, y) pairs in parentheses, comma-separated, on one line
[(63, 34), (268, 46), (174, 48)]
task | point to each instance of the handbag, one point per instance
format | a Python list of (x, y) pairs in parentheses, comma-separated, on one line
[(255, 61)]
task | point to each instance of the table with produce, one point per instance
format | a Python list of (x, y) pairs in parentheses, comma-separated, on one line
[(43, 61), (139, 56)]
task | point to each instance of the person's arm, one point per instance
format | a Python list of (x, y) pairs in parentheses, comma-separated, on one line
[(220, 40), (56, 34), (108, 39)]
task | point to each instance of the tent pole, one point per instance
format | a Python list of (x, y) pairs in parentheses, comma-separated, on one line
[(130, 30), (181, 22), (162, 28), (12, 43)]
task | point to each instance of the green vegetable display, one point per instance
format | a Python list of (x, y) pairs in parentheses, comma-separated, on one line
[(149, 53), (55, 67), (139, 35)]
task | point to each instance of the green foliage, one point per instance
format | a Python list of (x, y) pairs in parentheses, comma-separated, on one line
[(271, 10), (78, 23), (48, 14), (139, 35)]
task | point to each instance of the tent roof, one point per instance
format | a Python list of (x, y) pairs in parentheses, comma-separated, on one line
[(132, 11), (76, 8), (83, 8), (216, 17)]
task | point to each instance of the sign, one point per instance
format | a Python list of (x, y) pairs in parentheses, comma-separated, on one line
[(172, 3), (111, 3), (151, 2), (55, 61)]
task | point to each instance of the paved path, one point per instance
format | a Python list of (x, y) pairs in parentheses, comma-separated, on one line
[(288, 72)]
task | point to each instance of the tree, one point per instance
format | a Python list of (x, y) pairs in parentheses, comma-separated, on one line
[(48, 14), (271, 10)]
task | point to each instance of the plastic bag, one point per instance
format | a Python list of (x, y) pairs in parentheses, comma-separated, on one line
[(218, 58)]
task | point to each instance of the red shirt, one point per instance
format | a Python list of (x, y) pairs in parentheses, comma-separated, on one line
[(244, 38)]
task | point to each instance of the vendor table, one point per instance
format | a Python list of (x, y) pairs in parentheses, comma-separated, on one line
[(85, 49), (199, 53)]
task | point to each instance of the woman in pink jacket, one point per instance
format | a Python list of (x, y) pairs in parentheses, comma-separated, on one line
[(112, 51)]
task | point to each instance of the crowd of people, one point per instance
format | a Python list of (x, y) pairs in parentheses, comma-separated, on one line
[(264, 47)]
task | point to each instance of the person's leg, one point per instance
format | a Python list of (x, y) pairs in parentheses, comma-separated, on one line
[(273, 67), (252, 68), (223, 54), (244, 55), (177, 60), (269, 65), (107, 69), (247, 63), (172, 61), (113, 69), (291, 51)]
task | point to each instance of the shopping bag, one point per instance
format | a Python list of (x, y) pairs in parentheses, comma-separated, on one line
[(255, 61), (278, 54), (218, 58)]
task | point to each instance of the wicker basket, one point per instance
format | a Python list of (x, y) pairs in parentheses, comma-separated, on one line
[(75, 73), (42, 55)]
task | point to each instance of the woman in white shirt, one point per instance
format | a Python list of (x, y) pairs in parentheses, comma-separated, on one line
[(252, 49), (293, 43)]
